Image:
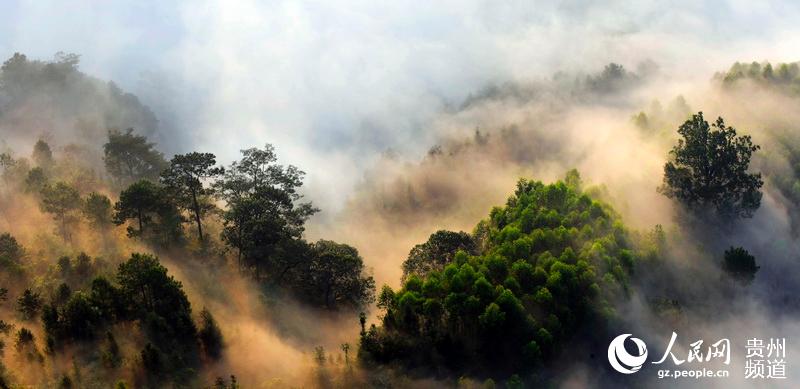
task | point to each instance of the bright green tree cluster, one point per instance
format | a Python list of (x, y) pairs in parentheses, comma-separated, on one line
[(551, 261)]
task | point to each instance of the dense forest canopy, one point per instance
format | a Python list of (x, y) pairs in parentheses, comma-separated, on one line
[(550, 261)]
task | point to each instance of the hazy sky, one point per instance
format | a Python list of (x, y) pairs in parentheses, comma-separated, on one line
[(333, 84)]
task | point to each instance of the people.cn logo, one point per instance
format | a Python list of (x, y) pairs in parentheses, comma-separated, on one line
[(621, 360)]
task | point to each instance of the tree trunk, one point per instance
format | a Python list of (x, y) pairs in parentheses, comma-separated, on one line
[(196, 207), (141, 224)]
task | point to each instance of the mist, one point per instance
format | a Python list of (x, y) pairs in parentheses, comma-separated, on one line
[(333, 86), (408, 120)]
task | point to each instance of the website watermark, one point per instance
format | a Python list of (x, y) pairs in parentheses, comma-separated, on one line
[(763, 358), (688, 373)]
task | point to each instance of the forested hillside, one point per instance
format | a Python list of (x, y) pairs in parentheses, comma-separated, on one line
[(550, 217), (549, 263), (86, 299)]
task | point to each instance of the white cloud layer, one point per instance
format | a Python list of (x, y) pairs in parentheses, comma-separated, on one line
[(333, 84)]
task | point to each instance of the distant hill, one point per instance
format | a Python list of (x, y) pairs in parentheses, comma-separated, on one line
[(54, 99)]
